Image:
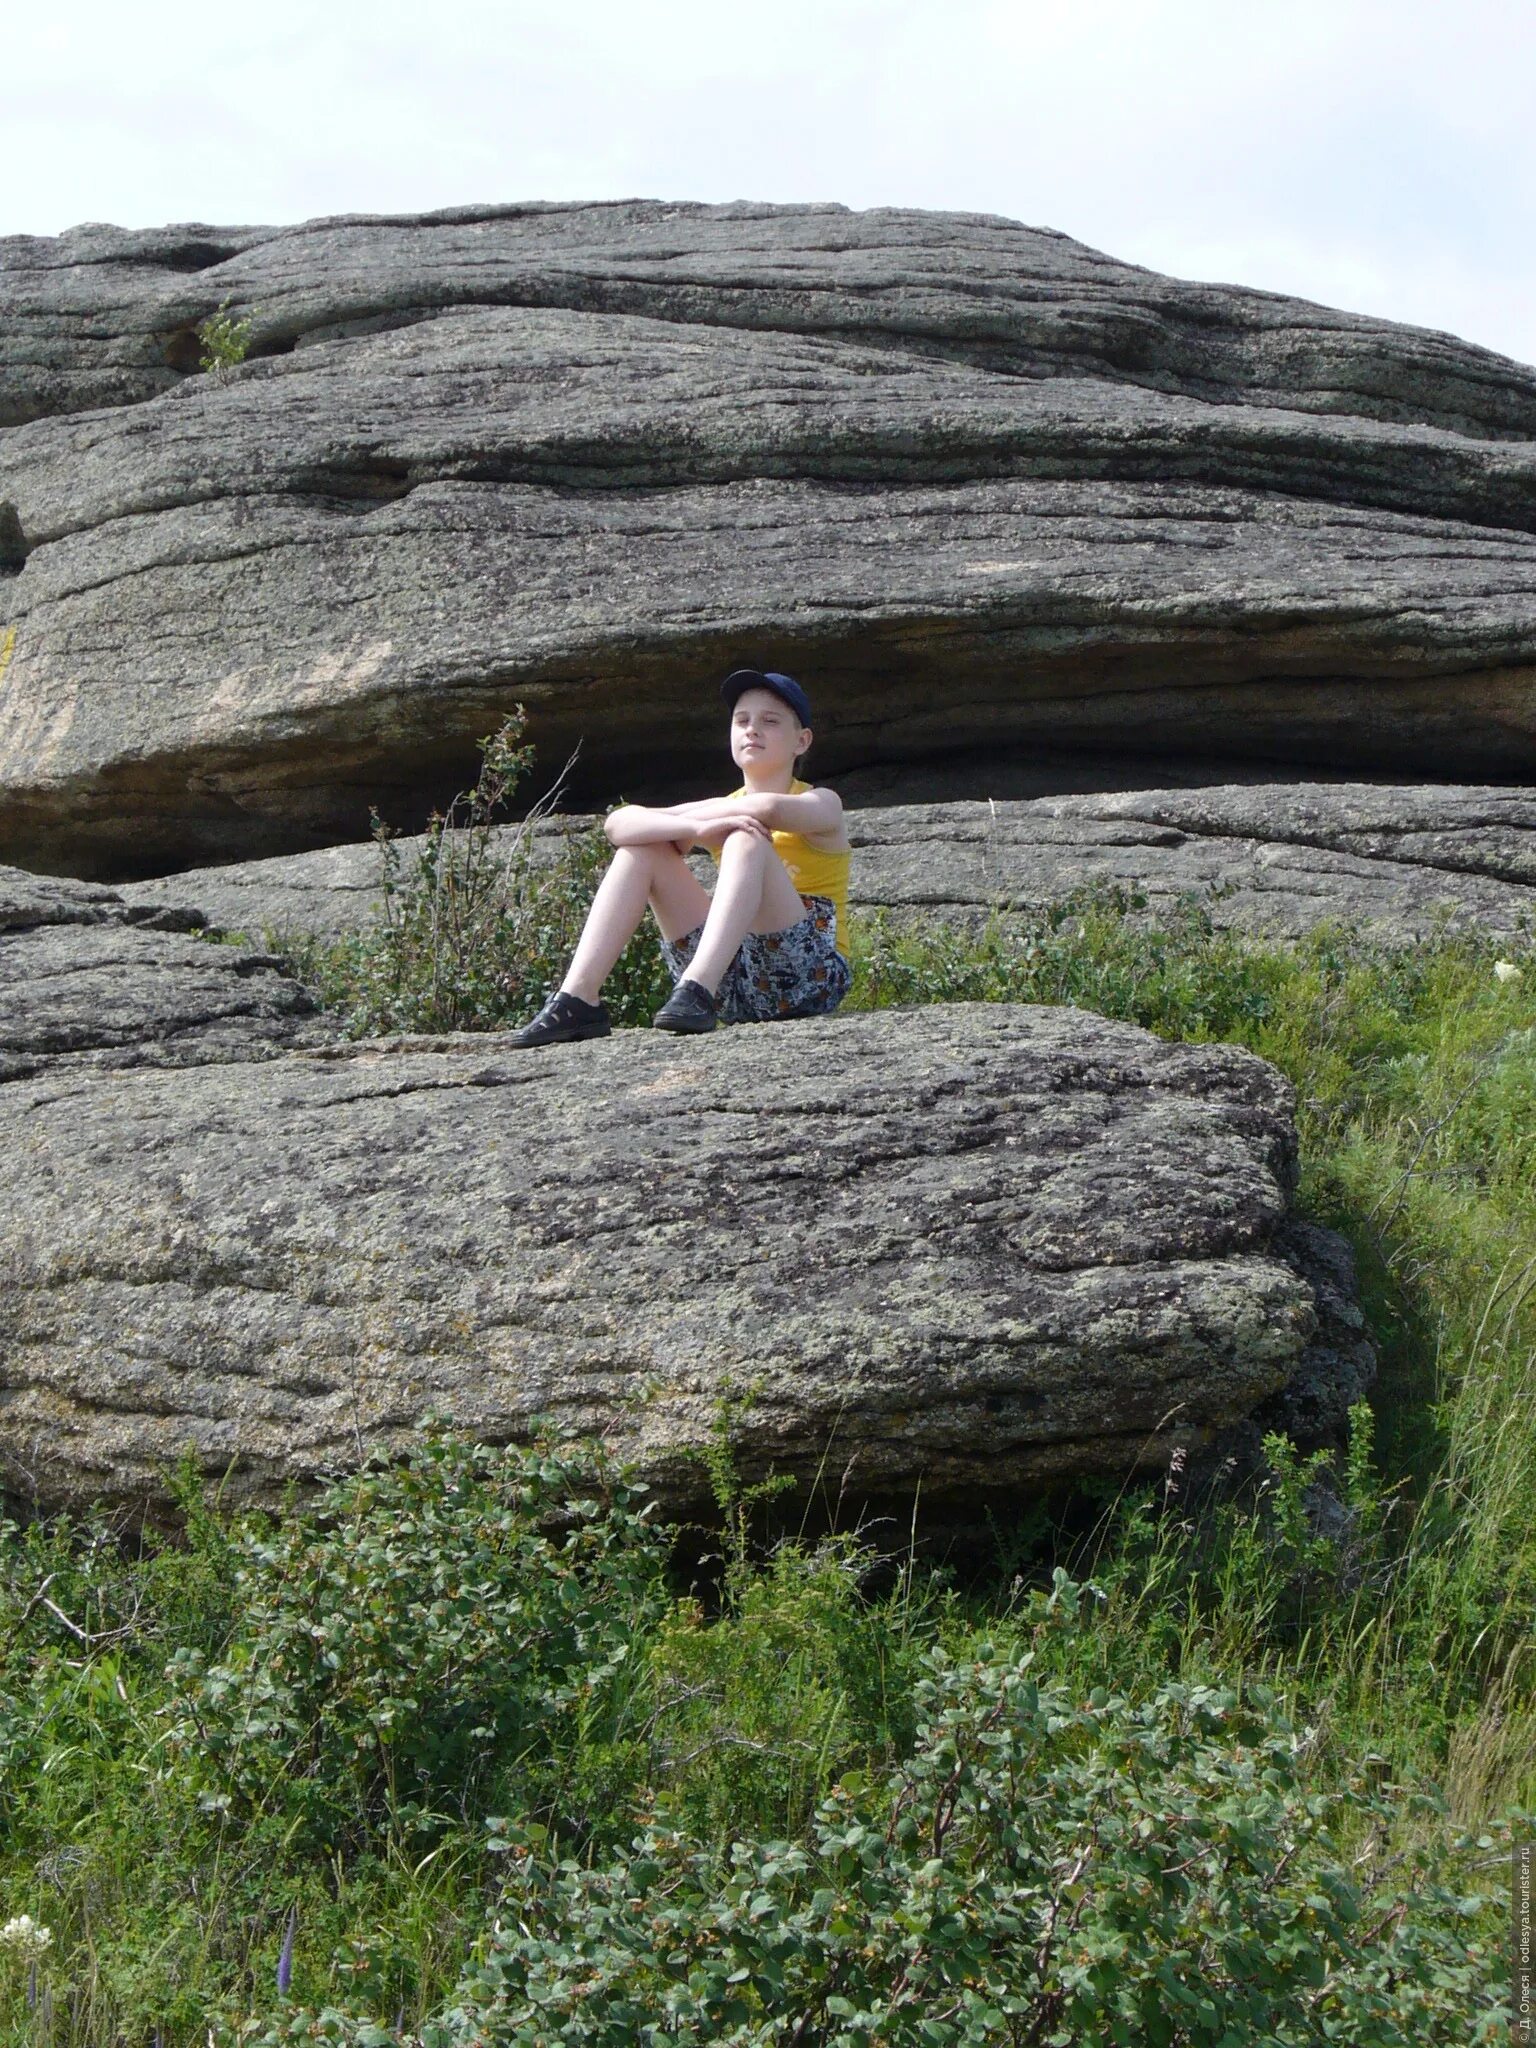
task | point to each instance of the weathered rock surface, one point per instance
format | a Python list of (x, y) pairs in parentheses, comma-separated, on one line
[(967, 1249), (985, 487), (88, 981), (960, 1251), (1276, 859), (103, 316), (324, 894)]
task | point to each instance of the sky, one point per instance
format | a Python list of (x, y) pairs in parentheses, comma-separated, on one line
[(1378, 155)]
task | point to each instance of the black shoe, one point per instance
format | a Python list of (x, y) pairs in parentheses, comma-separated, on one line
[(563, 1018), (690, 1007)]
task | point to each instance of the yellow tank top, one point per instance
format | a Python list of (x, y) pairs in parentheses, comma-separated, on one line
[(813, 870)]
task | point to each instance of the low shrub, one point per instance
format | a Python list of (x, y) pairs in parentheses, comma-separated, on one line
[(479, 928), (429, 1630), (1040, 1869)]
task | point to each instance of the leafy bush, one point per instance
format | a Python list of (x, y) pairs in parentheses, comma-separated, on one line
[(482, 927), (913, 1807), (225, 340), (1041, 1869), (419, 1635)]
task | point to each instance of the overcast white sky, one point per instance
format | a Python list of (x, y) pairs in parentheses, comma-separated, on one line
[(1374, 154)]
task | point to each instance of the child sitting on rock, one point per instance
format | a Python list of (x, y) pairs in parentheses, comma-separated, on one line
[(765, 945)]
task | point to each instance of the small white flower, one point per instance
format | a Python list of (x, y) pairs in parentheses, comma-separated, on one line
[(1506, 970), (26, 1936)]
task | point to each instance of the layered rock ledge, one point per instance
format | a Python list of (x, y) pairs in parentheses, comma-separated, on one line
[(1274, 859), (987, 488), (1395, 862), (89, 981)]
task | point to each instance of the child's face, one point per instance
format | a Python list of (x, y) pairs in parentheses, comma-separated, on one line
[(765, 734)]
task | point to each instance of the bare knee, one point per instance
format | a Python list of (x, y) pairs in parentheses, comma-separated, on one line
[(655, 860), (650, 855), (746, 846)]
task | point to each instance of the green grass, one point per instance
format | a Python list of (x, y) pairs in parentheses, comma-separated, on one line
[(169, 1881), (1415, 1072)]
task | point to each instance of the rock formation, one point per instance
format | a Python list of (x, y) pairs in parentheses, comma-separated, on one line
[(958, 1252), (987, 488), (89, 981), (1396, 862), (1274, 859)]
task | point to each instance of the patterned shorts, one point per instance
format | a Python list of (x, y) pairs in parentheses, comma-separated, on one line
[(794, 973)]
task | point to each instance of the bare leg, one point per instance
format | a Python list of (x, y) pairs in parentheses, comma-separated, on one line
[(655, 874), (754, 893)]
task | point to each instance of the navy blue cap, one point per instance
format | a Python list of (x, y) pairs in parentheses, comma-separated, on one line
[(742, 679)]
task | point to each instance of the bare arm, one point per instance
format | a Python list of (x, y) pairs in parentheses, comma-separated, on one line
[(641, 825), (817, 813)]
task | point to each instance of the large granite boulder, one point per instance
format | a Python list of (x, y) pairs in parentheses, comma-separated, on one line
[(956, 1253), (985, 487), (1275, 859)]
